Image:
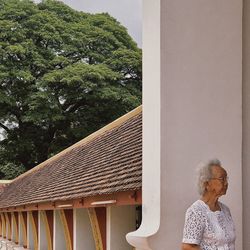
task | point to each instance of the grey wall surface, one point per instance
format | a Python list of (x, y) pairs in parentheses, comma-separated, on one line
[(246, 125), (83, 232), (59, 237), (120, 220), (42, 241), (201, 106)]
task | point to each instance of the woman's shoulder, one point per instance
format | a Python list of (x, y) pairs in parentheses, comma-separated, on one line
[(224, 207), (197, 207)]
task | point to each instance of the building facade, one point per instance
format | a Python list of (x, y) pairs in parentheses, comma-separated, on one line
[(86, 197), (196, 107)]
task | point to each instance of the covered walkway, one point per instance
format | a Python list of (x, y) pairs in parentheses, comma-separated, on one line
[(86, 197)]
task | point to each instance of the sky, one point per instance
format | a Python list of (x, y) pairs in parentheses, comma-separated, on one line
[(127, 12)]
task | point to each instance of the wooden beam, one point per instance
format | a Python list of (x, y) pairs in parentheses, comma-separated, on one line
[(4, 224), (120, 198), (8, 225), (101, 214), (15, 225), (47, 219), (23, 223), (33, 217), (66, 217), (96, 229)]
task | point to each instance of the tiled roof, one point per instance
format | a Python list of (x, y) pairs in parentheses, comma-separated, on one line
[(109, 162)]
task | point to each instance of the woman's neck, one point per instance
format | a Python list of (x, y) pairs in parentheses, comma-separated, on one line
[(211, 201)]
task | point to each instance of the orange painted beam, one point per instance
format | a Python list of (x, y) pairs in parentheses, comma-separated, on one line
[(69, 218), (101, 214), (16, 226), (118, 199), (47, 217), (33, 217), (4, 225), (23, 217)]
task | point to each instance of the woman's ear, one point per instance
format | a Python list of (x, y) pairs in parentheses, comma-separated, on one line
[(206, 185)]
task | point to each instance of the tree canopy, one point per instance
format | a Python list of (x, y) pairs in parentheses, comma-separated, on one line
[(63, 75)]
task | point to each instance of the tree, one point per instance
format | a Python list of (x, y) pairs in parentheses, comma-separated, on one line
[(63, 75)]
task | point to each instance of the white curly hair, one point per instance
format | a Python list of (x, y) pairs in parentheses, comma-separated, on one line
[(205, 174)]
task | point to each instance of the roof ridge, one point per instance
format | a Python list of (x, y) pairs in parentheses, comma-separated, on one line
[(85, 140)]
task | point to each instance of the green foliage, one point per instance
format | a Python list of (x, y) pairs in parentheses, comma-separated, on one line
[(63, 75), (9, 171)]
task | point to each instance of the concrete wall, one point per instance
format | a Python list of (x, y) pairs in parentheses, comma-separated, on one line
[(200, 110), (201, 98), (83, 237), (246, 125), (59, 238), (120, 221)]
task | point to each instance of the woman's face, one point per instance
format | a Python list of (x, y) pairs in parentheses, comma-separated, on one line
[(218, 184)]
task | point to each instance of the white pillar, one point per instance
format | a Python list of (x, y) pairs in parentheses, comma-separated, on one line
[(83, 236), (199, 115), (151, 125)]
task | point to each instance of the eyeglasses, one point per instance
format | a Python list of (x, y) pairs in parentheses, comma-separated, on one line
[(222, 179)]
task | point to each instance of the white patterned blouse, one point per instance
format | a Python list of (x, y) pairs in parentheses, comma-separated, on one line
[(210, 230)]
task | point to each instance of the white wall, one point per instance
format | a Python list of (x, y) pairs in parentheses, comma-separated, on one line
[(83, 236), (120, 221), (42, 237), (200, 111), (200, 105), (246, 124), (201, 98), (59, 238)]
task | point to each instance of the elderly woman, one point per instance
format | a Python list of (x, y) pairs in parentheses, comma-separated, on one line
[(208, 223)]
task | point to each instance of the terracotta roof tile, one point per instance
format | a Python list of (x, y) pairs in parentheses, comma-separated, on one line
[(110, 162)]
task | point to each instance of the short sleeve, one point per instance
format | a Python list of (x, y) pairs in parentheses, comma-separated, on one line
[(194, 227)]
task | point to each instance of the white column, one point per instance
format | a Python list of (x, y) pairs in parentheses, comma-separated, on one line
[(83, 236), (151, 125), (200, 111)]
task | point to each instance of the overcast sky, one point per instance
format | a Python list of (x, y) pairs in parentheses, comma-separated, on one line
[(127, 12)]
